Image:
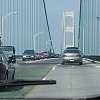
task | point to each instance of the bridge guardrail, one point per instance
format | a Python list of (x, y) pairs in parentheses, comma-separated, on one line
[(94, 59)]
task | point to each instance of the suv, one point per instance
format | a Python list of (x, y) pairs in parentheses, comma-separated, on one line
[(29, 55), (10, 51)]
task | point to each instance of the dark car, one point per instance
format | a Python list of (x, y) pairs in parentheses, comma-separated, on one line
[(41, 56), (52, 55), (46, 54), (29, 55), (7, 69)]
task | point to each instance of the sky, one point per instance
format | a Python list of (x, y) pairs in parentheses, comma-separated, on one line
[(19, 29), (55, 10)]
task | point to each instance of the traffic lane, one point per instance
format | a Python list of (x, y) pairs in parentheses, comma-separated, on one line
[(79, 81), (26, 71), (32, 71)]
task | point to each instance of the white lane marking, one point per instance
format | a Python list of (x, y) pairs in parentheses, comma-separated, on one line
[(97, 66), (58, 64), (28, 62), (97, 62), (74, 66), (44, 78), (53, 67)]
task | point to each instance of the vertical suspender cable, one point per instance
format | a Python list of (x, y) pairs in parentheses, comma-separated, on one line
[(79, 22), (48, 24)]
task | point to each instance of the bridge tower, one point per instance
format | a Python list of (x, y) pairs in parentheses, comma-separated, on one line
[(68, 33)]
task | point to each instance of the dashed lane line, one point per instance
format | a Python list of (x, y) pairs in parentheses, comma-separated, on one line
[(53, 67), (44, 78)]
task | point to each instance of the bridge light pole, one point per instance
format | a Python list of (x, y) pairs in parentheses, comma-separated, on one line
[(2, 21), (35, 35), (57, 50), (47, 43)]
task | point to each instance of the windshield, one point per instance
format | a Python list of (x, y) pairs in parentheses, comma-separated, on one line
[(36, 36), (71, 51), (29, 51), (6, 48)]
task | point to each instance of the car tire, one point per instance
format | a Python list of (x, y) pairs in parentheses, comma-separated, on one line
[(13, 77), (80, 63), (14, 61), (7, 75), (23, 59), (62, 63)]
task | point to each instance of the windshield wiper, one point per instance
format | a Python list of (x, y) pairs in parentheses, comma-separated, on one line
[(22, 82)]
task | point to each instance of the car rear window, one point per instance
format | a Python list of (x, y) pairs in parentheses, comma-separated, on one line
[(29, 51), (71, 51), (72, 48)]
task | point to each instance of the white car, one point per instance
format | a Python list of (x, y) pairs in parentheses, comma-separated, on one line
[(72, 56)]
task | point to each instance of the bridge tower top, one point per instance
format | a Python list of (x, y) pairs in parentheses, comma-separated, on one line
[(68, 31)]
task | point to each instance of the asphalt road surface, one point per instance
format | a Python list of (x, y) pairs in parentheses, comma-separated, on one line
[(73, 81)]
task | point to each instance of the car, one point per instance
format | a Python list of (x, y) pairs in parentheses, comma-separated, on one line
[(7, 69), (72, 56), (46, 54), (52, 55), (29, 55), (41, 56), (37, 56), (57, 55), (10, 51)]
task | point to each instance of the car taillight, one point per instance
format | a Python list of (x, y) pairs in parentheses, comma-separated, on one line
[(64, 55), (78, 55)]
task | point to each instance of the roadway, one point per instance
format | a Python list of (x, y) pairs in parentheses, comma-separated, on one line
[(73, 81)]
